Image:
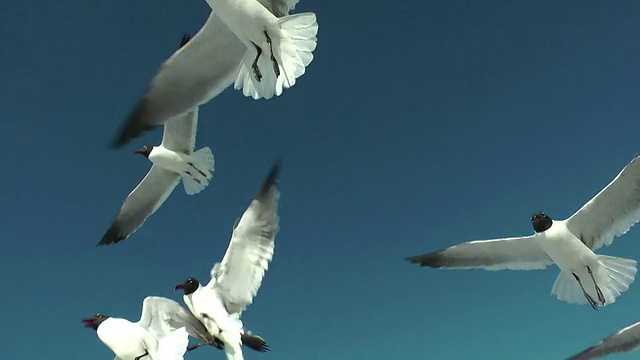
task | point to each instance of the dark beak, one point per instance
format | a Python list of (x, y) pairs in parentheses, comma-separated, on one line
[(137, 151), (88, 323), (181, 286)]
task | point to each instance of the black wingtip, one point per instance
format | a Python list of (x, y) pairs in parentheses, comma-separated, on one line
[(434, 260), (185, 39), (111, 237), (272, 178), (255, 342), (133, 126)]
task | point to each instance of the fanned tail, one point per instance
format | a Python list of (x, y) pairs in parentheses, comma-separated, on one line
[(200, 172), (292, 50), (615, 276)]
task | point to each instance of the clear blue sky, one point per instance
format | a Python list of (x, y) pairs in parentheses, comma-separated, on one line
[(419, 125)]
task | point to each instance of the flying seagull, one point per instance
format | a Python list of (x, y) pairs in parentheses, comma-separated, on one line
[(625, 340), (278, 50), (235, 281), (160, 334), (196, 73), (584, 276), (172, 160)]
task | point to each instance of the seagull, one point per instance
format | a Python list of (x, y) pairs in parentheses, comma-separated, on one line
[(235, 281), (160, 334), (278, 49), (584, 276), (196, 73), (625, 340), (172, 160)]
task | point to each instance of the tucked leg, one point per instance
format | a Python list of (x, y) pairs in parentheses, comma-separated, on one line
[(141, 356), (276, 67), (201, 173), (592, 302), (254, 66), (598, 291)]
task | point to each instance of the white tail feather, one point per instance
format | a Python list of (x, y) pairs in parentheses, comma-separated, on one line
[(293, 50), (200, 173), (613, 277), (566, 288), (173, 345)]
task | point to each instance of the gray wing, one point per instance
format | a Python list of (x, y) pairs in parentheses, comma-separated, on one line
[(612, 212), (516, 253), (625, 340), (239, 276), (162, 316), (141, 203), (180, 132)]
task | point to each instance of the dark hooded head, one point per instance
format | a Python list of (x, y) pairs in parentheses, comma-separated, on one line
[(541, 222), (94, 321), (144, 151), (189, 286)]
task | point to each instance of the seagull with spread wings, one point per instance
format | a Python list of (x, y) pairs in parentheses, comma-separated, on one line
[(172, 160), (585, 277), (196, 73), (235, 281)]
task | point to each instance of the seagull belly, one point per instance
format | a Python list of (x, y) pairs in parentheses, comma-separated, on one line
[(567, 251), (169, 160)]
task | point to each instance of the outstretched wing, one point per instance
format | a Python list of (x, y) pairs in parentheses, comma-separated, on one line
[(161, 316), (625, 340), (516, 253), (141, 203), (198, 71), (239, 276), (612, 212), (180, 132)]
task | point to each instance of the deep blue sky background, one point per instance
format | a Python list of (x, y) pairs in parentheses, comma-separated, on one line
[(419, 125)]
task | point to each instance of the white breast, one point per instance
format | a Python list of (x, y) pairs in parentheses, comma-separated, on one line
[(566, 250)]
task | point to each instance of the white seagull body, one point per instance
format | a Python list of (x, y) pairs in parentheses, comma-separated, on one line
[(625, 340), (172, 160), (160, 334), (278, 50), (585, 277), (236, 280), (200, 70)]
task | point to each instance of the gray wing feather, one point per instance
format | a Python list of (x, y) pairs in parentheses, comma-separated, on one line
[(196, 73), (180, 132), (625, 340), (517, 253), (141, 203), (239, 275), (612, 212), (162, 316)]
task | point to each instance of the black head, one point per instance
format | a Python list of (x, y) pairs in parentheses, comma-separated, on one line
[(94, 321), (144, 151), (189, 286), (541, 222)]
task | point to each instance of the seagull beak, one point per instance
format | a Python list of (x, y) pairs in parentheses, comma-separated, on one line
[(181, 286), (136, 151), (88, 323)]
